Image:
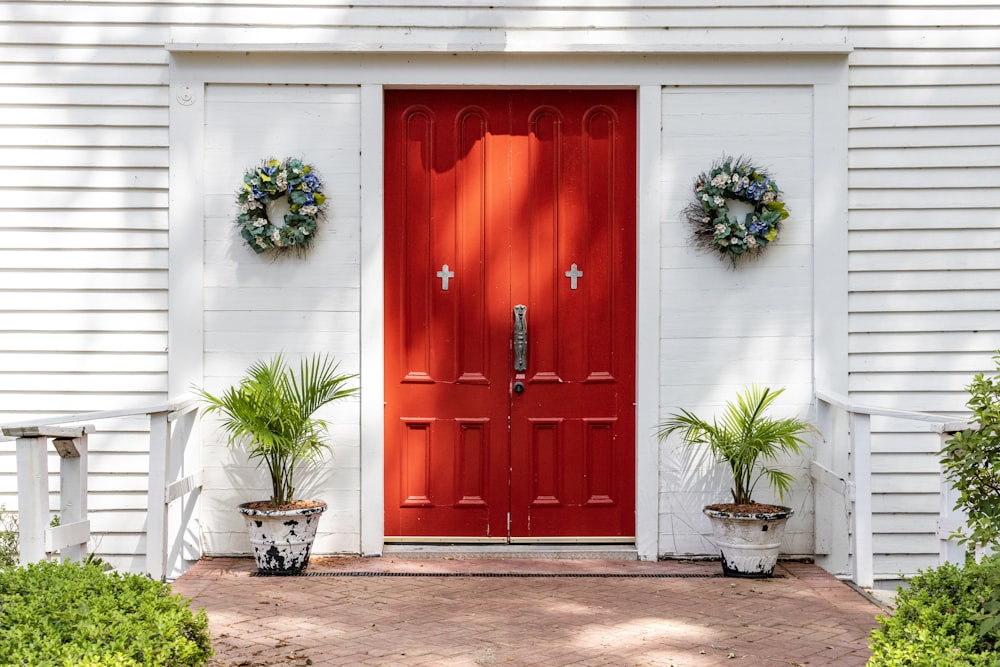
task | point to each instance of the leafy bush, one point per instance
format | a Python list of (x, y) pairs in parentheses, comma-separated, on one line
[(71, 614), (8, 538), (946, 617), (971, 462)]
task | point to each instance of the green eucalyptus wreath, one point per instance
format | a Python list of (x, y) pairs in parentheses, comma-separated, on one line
[(269, 182), (716, 229)]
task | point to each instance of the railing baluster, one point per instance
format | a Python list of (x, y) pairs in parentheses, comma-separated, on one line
[(861, 477), (156, 506)]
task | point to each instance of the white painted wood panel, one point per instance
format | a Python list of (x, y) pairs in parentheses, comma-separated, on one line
[(295, 305), (712, 345)]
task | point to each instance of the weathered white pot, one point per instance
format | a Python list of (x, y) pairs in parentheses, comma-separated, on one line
[(749, 543), (282, 539)]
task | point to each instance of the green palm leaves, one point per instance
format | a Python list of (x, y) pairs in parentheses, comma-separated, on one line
[(270, 413), (746, 439)]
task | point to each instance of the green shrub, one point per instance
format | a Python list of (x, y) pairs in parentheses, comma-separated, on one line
[(971, 462), (71, 614), (8, 538), (946, 617)]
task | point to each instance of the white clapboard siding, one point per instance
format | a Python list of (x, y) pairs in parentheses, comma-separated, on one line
[(83, 199), (83, 134)]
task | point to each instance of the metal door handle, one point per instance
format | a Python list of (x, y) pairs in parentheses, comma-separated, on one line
[(520, 338)]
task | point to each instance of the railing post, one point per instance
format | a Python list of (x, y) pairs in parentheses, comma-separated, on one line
[(36, 538), (32, 496), (861, 473), (73, 493), (156, 503)]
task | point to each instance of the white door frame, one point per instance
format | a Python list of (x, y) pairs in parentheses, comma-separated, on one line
[(194, 65)]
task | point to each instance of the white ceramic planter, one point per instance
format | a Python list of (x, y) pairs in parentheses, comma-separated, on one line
[(749, 543), (282, 539)]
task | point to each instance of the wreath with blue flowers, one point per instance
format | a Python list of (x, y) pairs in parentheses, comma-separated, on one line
[(718, 230), (268, 183)]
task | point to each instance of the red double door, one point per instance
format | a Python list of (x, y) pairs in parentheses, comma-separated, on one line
[(509, 314)]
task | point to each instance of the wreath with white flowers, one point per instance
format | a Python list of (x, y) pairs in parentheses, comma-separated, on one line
[(269, 183), (715, 228)]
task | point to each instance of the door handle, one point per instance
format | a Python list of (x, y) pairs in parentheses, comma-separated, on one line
[(520, 338)]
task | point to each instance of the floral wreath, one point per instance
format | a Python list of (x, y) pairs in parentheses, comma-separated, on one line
[(715, 228), (268, 183)]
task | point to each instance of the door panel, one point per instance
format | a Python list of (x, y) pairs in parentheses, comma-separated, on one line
[(496, 199)]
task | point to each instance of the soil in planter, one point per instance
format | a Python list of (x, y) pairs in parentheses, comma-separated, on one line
[(266, 505), (747, 508)]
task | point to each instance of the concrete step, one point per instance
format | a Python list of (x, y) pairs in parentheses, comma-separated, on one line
[(549, 551)]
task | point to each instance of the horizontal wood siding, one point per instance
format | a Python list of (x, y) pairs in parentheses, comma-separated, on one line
[(925, 275), (83, 232), (83, 215)]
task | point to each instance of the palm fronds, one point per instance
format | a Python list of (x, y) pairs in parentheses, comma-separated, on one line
[(270, 413), (746, 439)]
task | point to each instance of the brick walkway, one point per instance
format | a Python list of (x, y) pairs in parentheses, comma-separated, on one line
[(418, 612)]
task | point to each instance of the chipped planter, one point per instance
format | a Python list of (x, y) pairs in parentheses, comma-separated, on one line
[(282, 538), (749, 542)]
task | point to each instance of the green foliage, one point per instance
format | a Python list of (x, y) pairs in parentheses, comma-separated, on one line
[(743, 438), (971, 462), (270, 413), (69, 614), (8, 539), (946, 617)]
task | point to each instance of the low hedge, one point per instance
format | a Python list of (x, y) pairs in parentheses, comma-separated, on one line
[(948, 616), (78, 615)]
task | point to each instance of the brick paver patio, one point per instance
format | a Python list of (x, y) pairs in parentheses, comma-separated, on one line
[(481, 612)]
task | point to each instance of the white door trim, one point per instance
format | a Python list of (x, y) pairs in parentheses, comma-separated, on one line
[(191, 70)]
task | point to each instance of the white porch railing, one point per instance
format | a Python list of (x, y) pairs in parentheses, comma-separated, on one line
[(174, 471), (843, 484)]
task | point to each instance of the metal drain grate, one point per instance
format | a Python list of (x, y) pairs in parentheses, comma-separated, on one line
[(520, 575)]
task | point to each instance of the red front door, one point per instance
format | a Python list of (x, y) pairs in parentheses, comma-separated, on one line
[(510, 314)]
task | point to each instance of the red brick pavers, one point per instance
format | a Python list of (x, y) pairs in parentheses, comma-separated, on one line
[(805, 618)]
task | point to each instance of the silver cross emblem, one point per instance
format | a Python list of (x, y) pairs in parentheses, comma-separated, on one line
[(445, 275), (573, 274)]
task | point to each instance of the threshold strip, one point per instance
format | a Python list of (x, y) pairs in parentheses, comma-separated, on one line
[(516, 575)]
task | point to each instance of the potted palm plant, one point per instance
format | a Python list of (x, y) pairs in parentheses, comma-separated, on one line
[(749, 441), (270, 414)]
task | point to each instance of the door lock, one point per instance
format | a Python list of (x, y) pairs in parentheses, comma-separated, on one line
[(520, 338), (518, 387)]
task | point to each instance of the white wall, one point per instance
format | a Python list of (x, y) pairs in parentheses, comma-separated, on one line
[(257, 305), (83, 220), (723, 328)]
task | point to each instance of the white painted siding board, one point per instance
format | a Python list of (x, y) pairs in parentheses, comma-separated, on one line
[(958, 361), (77, 115), (924, 96), (91, 73), (88, 157), (923, 301), (87, 259), (136, 97), (47, 362), (102, 54), (94, 280)]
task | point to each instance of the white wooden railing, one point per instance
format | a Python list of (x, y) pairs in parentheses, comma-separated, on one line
[(174, 472), (843, 471)]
